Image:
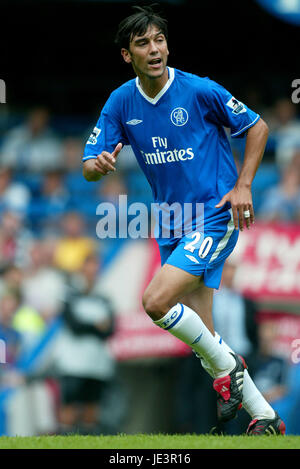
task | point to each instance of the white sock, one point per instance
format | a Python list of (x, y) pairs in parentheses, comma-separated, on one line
[(253, 401), (185, 324)]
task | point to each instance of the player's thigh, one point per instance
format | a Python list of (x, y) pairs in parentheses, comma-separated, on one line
[(166, 288), (201, 301)]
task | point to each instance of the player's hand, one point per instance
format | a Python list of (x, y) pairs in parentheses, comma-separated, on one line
[(240, 199), (105, 162)]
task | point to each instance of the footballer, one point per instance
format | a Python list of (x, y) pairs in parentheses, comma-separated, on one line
[(174, 122)]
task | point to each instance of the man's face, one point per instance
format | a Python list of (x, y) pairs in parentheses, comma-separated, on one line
[(148, 53)]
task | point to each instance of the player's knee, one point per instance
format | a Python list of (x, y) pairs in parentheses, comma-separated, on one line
[(154, 306)]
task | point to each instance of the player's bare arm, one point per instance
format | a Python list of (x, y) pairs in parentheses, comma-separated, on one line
[(95, 168), (240, 196)]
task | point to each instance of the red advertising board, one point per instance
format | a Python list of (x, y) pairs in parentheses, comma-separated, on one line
[(268, 256), (269, 263)]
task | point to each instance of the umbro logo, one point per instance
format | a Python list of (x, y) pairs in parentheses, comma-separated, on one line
[(134, 122)]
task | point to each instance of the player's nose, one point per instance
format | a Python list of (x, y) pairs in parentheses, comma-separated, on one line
[(153, 47)]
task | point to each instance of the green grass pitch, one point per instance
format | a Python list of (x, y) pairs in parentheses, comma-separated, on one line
[(151, 441)]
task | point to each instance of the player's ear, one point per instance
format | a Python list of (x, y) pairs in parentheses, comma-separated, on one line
[(126, 55), (167, 48)]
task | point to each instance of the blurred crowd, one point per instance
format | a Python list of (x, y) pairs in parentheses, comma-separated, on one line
[(50, 268), (50, 261)]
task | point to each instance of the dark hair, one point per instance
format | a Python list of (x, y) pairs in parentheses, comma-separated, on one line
[(138, 23)]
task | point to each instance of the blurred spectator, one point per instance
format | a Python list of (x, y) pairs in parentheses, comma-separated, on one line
[(21, 321), (31, 410), (271, 371), (11, 338), (82, 192), (28, 322), (54, 194), (14, 196), (31, 406), (84, 361), (111, 188), (74, 246), (50, 202), (285, 131), (32, 147), (72, 154), (11, 279), (43, 285), (282, 202), (11, 341), (15, 240)]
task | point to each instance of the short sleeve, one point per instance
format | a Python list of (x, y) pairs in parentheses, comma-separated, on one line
[(224, 109), (107, 133)]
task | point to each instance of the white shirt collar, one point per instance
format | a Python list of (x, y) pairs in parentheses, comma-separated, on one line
[(162, 91)]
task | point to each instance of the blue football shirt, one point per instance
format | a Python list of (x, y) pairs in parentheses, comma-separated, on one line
[(178, 138)]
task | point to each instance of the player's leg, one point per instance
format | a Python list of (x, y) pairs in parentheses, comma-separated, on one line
[(161, 302), (196, 263), (229, 387), (201, 300), (253, 401), (264, 418)]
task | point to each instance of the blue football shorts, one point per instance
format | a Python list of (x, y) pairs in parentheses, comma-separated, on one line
[(203, 252)]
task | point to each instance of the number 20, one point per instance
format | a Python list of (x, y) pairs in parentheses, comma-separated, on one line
[(205, 245)]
